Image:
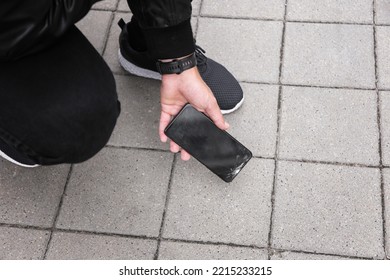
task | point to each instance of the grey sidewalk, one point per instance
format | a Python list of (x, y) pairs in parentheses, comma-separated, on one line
[(316, 75)]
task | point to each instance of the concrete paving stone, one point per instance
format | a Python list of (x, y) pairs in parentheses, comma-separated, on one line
[(95, 26), (191, 251), (238, 44), (385, 126), (328, 209), (30, 196), (383, 56), (255, 124), (111, 53), (72, 246), (204, 208), (105, 5), (138, 122), (196, 7), (320, 124), (356, 11), (263, 9), (22, 244), (382, 10), (303, 256), (118, 191), (337, 55), (123, 6), (386, 180)]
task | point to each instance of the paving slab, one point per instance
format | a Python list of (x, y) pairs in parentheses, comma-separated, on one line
[(386, 180), (123, 6), (383, 56), (255, 124), (118, 191), (196, 7), (95, 26), (236, 44), (382, 10), (304, 256), (328, 209), (356, 11), (22, 244), (330, 55), (30, 196), (385, 126), (204, 208), (320, 124), (138, 122), (259, 9), (73, 246), (191, 251), (105, 5)]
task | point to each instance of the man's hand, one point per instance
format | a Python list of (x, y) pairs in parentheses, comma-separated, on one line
[(188, 87)]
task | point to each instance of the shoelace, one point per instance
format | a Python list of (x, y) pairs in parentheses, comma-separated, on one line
[(200, 57)]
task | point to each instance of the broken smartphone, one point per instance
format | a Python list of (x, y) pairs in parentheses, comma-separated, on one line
[(200, 137)]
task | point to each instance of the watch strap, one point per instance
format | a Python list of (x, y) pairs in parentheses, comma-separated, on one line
[(176, 66)]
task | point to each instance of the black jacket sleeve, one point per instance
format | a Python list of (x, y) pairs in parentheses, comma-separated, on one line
[(27, 26), (166, 25)]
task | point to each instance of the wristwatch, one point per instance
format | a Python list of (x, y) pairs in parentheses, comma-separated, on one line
[(176, 66)]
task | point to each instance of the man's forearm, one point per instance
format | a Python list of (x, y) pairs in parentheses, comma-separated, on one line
[(166, 25)]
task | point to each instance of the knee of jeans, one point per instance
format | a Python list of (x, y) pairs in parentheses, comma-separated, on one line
[(77, 135)]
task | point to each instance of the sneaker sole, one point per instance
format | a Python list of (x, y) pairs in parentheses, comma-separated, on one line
[(238, 105), (137, 71), (145, 73), (15, 162)]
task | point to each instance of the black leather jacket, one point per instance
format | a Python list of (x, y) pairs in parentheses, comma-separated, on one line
[(27, 26)]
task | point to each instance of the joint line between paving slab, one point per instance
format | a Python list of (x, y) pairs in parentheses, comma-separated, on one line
[(107, 34), (138, 148), (7, 225), (144, 237), (379, 119), (283, 84), (210, 16), (278, 251), (58, 211), (277, 131), (197, 19), (346, 164), (156, 254)]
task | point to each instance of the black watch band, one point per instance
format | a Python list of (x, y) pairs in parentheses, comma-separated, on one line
[(176, 66)]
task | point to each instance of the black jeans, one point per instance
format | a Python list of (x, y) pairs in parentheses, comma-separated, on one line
[(59, 105)]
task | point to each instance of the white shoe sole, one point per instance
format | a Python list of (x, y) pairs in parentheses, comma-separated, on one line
[(145, 73), (15, 162), (238, 105), (135, 70)]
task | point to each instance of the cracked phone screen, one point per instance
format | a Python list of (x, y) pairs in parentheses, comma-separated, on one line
[(213, 147)]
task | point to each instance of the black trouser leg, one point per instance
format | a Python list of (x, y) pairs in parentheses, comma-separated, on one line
[(59, 105)]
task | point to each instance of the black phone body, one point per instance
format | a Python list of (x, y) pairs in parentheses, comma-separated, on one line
[(213, 147)]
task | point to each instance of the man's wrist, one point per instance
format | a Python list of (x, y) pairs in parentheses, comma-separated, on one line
[(177, 65)]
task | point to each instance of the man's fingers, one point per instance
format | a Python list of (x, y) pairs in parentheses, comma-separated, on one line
[(174, 147), (215, 114), (165, 118), (184, 155)]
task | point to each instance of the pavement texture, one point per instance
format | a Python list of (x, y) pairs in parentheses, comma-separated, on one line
[(316, 76)]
